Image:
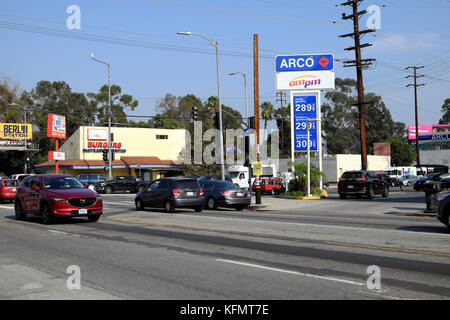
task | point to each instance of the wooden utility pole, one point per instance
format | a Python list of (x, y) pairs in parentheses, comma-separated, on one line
[(360, 64), (256, 90), (415, 76)]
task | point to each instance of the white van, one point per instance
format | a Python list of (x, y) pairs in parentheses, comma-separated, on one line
[(239, 174)]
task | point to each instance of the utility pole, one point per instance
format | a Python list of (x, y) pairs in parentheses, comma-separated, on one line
[(281, 100), (415, 76), (359, 64), (256, 90)]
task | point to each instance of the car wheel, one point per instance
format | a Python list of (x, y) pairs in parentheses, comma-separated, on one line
[(198, 209), (385, 193), (108, 190), (239, 208), (20, 215), (168, 207), (342, 196), (93, 218), (211, 204), (46, 215), (370, 193), (139, 205)]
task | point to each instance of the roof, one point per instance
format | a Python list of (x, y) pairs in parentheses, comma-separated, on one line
[(124, 162)]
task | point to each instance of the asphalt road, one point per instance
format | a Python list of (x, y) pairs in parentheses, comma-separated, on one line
[(303, 250)]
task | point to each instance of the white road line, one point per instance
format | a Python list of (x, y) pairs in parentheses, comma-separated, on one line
[(5, 207), (292, 272), (67, 233)]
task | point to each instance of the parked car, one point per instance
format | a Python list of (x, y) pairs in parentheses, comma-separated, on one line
[(119, 183), (20, 176), (171, 193), (359, 183), (269, 185), (224, 194), (444, 208), (91, 179), (56, 195), (8, 189), (418, 185), (407, 180)]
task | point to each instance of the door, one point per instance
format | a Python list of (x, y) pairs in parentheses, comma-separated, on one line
[(25, 194), (148, 196), (35, 195), (162, 193)]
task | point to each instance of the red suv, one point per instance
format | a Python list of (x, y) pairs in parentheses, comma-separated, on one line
[(56, 195), (8, 189), (269, 185)]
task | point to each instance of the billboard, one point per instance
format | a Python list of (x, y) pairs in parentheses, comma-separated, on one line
[(15, 131), (435, 132), (304, 109), (56, 126)]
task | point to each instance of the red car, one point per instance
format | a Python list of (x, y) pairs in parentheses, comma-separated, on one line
[(269, 185), (8, 189), (56, 195)]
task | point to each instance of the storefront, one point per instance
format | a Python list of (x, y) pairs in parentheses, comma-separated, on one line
[(144, 153)]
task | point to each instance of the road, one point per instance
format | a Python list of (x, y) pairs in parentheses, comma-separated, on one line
[(303, 250)]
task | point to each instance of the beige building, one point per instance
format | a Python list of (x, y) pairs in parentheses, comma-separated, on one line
[(142, 152)]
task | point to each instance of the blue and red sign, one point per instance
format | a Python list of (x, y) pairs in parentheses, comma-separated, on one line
[(304, 62), (305, 107)]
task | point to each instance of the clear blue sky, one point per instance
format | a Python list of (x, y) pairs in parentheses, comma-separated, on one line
[(149, 60)]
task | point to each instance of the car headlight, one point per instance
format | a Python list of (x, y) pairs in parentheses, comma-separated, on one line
[(58, 199)]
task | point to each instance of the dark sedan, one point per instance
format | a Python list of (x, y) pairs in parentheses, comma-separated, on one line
[(444, 209), (225, 194), (171, 193), (418, 185), (359, 183)]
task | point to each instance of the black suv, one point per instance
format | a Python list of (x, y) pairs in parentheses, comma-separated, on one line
[(444, 209), (171, 193), (359, 183)]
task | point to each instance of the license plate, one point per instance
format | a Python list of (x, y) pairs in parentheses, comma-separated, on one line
[(189, 194), (350, 187), (240, 194), (82, 211)]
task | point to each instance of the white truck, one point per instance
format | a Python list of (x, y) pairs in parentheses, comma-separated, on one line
[(396, 173), (239, 174)]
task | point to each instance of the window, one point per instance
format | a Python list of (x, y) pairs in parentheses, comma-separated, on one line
[(162, 136), (242, 176)]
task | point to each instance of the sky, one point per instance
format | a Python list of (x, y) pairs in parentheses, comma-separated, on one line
[(148, 59)]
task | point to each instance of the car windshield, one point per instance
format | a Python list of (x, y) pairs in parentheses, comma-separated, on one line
[(188, 184), (10, 183), (352, 175), (227, 185), (234, 175), (62, 183)]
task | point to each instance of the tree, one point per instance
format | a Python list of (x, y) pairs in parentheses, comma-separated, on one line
[(402, 154), (446, 112), (267, 111), (301, 176), (282, 117), (341, 120)]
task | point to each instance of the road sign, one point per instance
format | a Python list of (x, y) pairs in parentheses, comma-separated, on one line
[(257, 168), (305, 62), (305, 107), (310, 80)]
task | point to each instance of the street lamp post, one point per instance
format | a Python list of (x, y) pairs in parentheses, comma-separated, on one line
[(245, 88), (216, 45), (109, 116)]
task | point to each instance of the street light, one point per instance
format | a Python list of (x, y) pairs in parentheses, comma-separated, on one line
[(245, 87), (216, 45), (109, 115)]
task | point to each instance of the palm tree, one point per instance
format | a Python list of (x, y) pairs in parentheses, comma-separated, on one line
[(267, 111)]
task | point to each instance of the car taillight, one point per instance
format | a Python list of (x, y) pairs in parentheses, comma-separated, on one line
[(201, 192), (341, 179), (176, 192), (362, 179)]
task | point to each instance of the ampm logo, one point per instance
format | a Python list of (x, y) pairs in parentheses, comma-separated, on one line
[(304, 81)]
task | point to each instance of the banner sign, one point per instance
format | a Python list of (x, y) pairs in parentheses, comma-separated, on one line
[(53, 155), (436, 132), (56, 126), (311, 80), (310, 62), (15, 131)]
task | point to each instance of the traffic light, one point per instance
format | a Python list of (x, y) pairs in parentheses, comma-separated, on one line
[(195, 113), (28, 157), (247, 151), (105, 154), (112, 156), (216, 121), (251, 122)]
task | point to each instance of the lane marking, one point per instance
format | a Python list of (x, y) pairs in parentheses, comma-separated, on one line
[(67, 233), (292, 272), (280, 237), (5, 207)]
